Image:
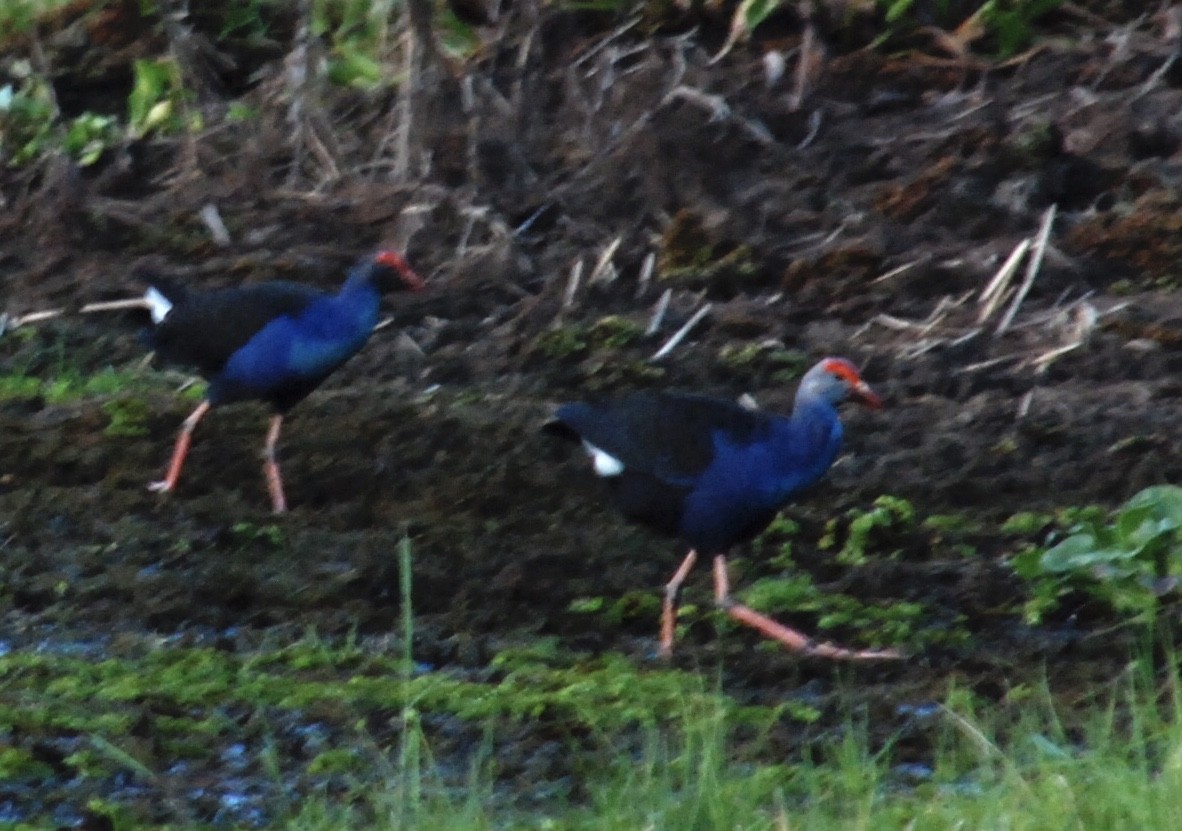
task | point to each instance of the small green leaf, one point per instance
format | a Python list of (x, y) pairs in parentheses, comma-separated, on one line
[(1080, 551), (586, 605), (151, 103), (897, 9), (1165, 501), (353, 68), (755, 12)]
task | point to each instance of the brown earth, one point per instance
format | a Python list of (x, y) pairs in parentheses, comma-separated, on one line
[(860, 208)]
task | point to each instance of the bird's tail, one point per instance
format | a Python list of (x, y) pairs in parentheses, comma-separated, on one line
[(162, 295), (555, 426)]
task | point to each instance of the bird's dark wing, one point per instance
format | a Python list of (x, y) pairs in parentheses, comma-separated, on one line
[(670, 436), (204, 329)]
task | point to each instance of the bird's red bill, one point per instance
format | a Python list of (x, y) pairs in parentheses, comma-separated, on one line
[(847, 372), (394, 260)]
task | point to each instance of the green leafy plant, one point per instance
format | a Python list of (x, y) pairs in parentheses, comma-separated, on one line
[(1011, 22), (17, 16), (157, 98), (70, 383), (889, 514), (1026, 522), (775, 543), (1127, 561), (269, 535), (129, 416), (797, 593), (358, 32), (89, 135), (26, 120), (748, 15), (1004, 26), (245, 18)]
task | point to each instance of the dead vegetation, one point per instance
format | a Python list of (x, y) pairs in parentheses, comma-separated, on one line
[(599, 201)]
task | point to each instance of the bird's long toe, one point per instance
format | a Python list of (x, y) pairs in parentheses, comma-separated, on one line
[(792, 639)]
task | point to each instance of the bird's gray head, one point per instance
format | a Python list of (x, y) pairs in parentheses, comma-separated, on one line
[(388, 270), (833, 380)]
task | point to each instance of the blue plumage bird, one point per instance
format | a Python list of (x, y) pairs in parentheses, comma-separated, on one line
[(274, 341), (715, 474)]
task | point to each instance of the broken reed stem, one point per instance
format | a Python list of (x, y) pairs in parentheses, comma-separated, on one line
[(603, 266), (213, 222), (36, 317), (1047, 358), (681, 333), (1032, 268), (659, 313), (50, 314), (808, 66), (406, 112), (994, 293), (897, 270), (115, 305), (572, 284), (646, 273), (1024, 405)]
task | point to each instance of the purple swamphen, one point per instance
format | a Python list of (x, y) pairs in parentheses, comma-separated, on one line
[(274, 341), (715, 474)]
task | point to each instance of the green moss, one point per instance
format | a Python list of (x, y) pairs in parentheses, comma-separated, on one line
[(614, 332), (19, 387), (563, 342), (952, 523), (607, 371), (609, 333), (775, 543), (890, 624), (129, 417), (1026, 523), (193, 700), (18, 765), (635, 606), (1006, 446), (889, 513), (737, 266), (587, 605), (70, 383), (691, 255), (782, 365), (338, 761), (269, 535)]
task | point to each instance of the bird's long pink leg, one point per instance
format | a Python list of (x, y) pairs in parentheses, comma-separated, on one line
[(791, 638), (271, 467), (669, 607), (180, 450)]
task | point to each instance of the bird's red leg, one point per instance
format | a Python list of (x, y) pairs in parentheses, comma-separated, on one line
[(271, 467), (180, 450), (669, 607), (791, 638)]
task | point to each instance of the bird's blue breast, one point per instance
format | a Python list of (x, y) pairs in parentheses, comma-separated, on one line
[(295, 348), (746, 483)]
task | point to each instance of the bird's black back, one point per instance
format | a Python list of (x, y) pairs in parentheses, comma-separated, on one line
[(668, 435), (204, 329)]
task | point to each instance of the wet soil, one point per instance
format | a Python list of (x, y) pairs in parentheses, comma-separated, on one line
[(864, 218)]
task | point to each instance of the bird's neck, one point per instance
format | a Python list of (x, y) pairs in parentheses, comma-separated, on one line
[(359, 292), (813, 406), (814, 434), (348, 315)]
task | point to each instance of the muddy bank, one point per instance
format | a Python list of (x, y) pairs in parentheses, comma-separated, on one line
[(552, 221)]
